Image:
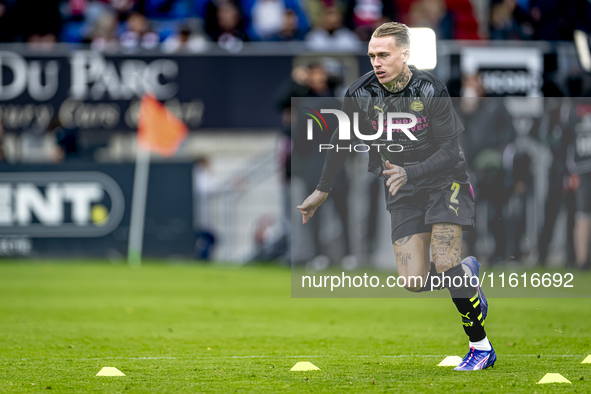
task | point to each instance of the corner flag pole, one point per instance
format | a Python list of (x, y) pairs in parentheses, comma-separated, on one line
[(160, 131), (138, 207)]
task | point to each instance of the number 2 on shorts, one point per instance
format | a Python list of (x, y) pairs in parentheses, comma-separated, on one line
[(456, 188)]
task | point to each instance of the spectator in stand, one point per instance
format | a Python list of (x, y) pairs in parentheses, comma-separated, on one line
[(519, 171), (103, 37), (332, 35), (315, 83), (76, 9), (556, 134), (212, 16), (90, 11), (190, 38), (364, 16), (225, 24), (289, 28), (138, 33), (267, 17), (579, 163), (122, 7), (231, 24), (503, 25), (432, 14), (539, 19), (206, 186), (489, 130), (553, 20), (509, 20), (296, 86)]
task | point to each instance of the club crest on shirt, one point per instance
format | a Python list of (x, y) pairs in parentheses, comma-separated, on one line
[(417, 106)]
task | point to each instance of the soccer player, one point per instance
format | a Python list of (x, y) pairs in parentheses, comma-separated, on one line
[(429, 197)]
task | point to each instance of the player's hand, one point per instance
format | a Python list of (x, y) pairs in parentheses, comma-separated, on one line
[(397, 177), (311, 204)]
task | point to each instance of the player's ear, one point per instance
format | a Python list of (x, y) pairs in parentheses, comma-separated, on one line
[(406, 55)]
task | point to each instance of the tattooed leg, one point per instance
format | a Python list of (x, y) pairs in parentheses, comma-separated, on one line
[(412, 258), (446, 241), (446, 244)]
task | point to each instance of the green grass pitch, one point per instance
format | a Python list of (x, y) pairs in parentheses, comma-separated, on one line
[(195, 328)]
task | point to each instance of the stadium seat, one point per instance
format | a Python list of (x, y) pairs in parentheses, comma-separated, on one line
[(466, 27), (72, 32)]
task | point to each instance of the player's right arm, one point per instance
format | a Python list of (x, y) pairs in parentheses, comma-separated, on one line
[(332, 165), (311, 204)]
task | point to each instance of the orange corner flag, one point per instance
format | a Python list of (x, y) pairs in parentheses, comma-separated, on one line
[(158, 129)]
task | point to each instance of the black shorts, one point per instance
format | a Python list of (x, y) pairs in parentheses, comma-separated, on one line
[(417, 213)]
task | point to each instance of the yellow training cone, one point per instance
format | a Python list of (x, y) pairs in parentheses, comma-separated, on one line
[(553, 378), (450, 361), (587, 360), (110, 371), (304, 366)]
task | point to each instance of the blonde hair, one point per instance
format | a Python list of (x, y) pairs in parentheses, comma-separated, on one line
[(399, 31)]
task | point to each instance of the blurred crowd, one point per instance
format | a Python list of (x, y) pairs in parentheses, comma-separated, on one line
[(192, 25)]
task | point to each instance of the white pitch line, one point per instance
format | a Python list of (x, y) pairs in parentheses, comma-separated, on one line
[(398, 356), (280, 356)]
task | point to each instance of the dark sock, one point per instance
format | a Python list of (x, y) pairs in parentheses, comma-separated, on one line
[(465, 297), (471, 318)]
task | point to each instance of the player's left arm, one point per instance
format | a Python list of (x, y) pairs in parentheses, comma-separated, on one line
[(445, 158)]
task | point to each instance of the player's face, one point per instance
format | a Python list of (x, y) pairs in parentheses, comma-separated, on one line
[(387, 59)]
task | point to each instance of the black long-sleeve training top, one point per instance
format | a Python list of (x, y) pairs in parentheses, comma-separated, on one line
[(434, 159)]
